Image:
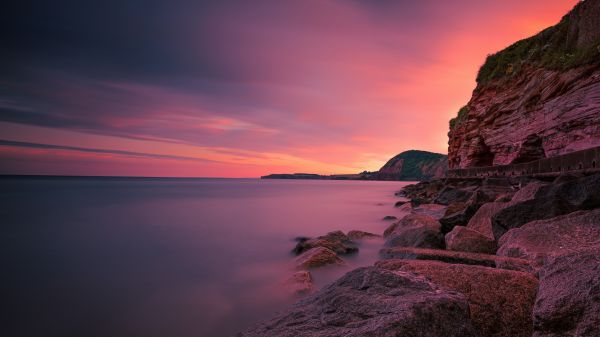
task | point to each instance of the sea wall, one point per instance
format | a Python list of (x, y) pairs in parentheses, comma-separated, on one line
[(586, 161)]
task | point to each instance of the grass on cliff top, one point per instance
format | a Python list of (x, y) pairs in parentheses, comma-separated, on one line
[(551, 49), (460, 117)]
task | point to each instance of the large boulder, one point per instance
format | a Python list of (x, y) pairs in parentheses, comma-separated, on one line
[(486, 260), (482, 219), (373, 302), (435, 211), (550, 201), (318, 257), (501, 301), (337, 241), (415, 230), (467, 240), (539, 239), (450, 194), (568, 300)]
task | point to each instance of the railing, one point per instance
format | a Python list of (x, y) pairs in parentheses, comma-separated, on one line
[(579, 161)]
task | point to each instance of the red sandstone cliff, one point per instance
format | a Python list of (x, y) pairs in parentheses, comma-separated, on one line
[(537, 98)]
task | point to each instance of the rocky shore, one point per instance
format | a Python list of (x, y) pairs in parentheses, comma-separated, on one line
[(478, 257)]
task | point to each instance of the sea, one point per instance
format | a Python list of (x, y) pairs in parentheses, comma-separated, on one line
[(106, 256)]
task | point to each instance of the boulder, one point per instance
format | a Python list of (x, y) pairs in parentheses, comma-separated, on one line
[(359, 235), (550, 201), (300, 283), (467, 240), (337, 241), (373, 302), (400, 203), (501, 301), (433, 210), (482, 220), (539, 239), (415, 230), (486, 260), (451, 194), (389, 217), (568, 300), (460, 213), (318, 257)]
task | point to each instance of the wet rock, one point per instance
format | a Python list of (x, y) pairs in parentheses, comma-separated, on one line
[(414, 230), (467, 240), (318, 257), (550, 201), (487, 260), (300, 283), (450, 194), (389, 217), (400, 203), (359, 235), (539, 239), (501, 301), (568, 300), (337, 241), (373, 302)]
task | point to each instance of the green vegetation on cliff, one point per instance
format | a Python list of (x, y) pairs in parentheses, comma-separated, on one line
[(460, 117), (560, 47), (414, 165)]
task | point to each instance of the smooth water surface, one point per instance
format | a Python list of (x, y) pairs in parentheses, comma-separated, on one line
[(167, 257)]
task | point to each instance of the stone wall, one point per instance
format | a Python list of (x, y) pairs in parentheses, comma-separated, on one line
[(580, 161)]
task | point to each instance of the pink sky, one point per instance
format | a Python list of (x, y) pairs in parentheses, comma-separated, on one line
[(241, 91)]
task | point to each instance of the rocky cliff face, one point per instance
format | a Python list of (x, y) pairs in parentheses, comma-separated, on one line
[(414, 165), (538, 98)]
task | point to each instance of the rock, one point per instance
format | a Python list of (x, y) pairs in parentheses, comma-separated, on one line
[(568, 300), (359, 235), (539, 239), (501, 301), (414, 230), (424, 191), (467, 240), (318, 257), (482, 220), (373, 302), (433, 210), (407, 208), (550, 201), (408, 253), (450, 194), (337, 241), (400, 203), (461, 213), (300, 283), (389, 217)]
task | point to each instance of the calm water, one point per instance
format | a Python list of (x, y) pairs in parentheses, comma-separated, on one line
[(166, 257)]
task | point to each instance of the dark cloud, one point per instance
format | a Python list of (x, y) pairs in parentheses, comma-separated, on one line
[(99, 151)]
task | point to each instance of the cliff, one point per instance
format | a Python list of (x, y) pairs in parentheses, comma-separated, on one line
[(538, 98), (414, 165)]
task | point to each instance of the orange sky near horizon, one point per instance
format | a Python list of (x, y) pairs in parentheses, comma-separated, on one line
[(326, 87)]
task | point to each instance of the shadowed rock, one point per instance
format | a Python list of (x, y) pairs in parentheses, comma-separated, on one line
[(414, 230), (337, 241), (550, 201), (318, 257), (568, 300), (449, 256), (359, 235), (389, 217), (500, 300), (373, 302)]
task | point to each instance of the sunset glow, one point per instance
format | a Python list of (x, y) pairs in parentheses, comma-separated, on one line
[(243, 89)]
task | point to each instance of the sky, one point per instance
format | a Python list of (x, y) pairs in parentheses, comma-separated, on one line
[(241, 88)]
